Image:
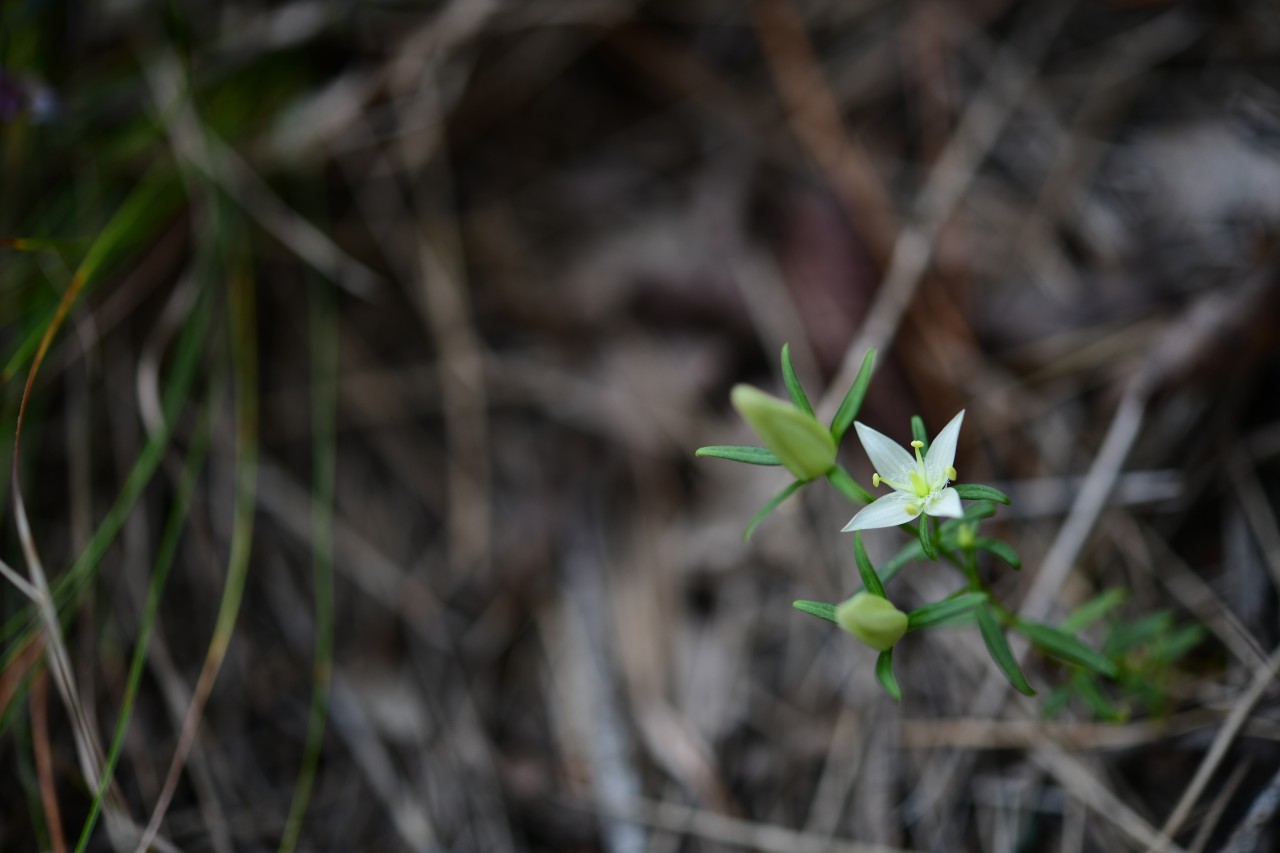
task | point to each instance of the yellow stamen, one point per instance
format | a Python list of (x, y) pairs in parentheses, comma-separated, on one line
[(951, 473), (912, 510), (917, 444), (875, 481)]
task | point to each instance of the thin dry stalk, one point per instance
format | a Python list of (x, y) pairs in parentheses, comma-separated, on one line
[(1217, 751), (1011, 75), (44, 762)]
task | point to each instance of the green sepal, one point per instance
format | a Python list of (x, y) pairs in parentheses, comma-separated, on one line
[(852, 401), (1000, 549), (926, 541), (978, 492), (870, 579), (740, 453), (884, 675), (918, 433), (941, 612), (1062, 645), (794, 388), (821, 609), (768, 508), (998, 647)]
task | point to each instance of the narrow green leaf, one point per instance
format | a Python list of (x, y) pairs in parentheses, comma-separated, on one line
[(1000, 652), (973, 512), (1091, 692), (918, 433), (1056, 702), (768, 508), (1173, 647), (324, 372), (944, 611), (1126, 636), (740, 453), (947, 531), (848, 486), (794, 388), (909, 553), (817, 608), (978, 492), (1091, 611), (1062, 645), (926, 539), (870, 579), (852, 401), (1000, 549), (165, 554), (884, 674)]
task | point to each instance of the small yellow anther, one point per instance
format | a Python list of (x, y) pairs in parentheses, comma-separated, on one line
[(912, 510), (917, 444), (875, 480), (951, 473)]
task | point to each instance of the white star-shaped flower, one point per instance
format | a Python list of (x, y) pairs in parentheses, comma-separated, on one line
[(919, 484)]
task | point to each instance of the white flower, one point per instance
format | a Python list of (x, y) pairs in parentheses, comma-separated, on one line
[(919, 484)]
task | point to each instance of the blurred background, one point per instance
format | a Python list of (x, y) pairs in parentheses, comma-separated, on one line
[(363, 348)]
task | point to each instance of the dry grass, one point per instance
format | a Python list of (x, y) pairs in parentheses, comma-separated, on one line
[(363, 512)]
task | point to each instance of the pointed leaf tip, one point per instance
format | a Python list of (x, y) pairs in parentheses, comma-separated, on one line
[(794, 388)]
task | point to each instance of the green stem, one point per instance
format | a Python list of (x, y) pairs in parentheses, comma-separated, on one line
[(847, 486)]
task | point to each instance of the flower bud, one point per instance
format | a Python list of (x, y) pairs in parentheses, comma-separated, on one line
[(873, 620), (802, 444)]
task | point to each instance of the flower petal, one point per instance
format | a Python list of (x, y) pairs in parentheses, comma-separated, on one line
[(891, 461), (888, 511), (942, 453), (945, 503)]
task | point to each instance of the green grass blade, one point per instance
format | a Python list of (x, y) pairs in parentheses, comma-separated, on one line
[(165, 554), (70, 587), (794, 388), (152, 202), (324, 360), (244, 358)]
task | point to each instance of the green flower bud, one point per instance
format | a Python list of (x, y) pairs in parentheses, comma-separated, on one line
[(873, 620), (796, 438)]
